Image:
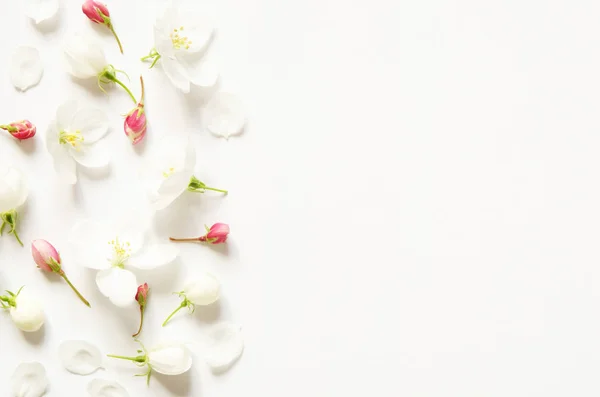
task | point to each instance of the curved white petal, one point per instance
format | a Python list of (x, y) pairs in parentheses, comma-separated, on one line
[(118, 285), (204, 73), (170, 359), (13, 189), (162, 42), (64, 115), (225, 346), (26, 68), (171, 188), (92, 156), (89, 241), (203, 290), (40, 10), (176, 73), (224, 115), (91, 122), (84, 56), (29, 380), (154, 256), (28, 314), (80, 357), (106, 388), (64, 165)]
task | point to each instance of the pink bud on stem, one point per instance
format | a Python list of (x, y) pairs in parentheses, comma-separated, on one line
[(21, 130), (216, 234), (135, 121), (47, 258), (142, 298), (98, 13)]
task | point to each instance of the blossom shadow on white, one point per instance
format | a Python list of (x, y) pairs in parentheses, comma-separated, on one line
[(36, 338), (178, 385)]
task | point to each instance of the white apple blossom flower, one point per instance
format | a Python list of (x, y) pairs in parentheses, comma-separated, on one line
[(106, 388), (170, 172), (26, 68), (85, 59), (112, 249), (41, 10), (167, 358), (13, 194), (29, 380), (25, 310), (182, 35), (202, 291), (75, 137), (80, 357)]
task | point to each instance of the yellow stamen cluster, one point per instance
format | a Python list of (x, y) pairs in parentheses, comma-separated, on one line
[(122, 251), (75, 139), (168, 173), (179, 41)]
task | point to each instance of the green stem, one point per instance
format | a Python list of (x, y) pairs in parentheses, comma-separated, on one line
[(183, 304), (126, 89), (14, 231), (215, 190), (63, 275), (110, 26), (141, 322), (184, 239), (158, 56), (138, 359)]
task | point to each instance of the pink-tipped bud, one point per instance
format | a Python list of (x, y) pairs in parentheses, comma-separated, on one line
[(21, 130), (46, 257), (217, 234), (135, 124), (142, 294), (96, 11)]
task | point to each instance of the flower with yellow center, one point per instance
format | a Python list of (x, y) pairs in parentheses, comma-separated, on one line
[(74, 137), (114, 248)]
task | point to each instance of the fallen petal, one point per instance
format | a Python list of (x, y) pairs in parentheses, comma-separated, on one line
[(118, 285), (80, 357), (29, 380), (106, 388), (225, 346), (225, 115), (26, 68), (40, 10)]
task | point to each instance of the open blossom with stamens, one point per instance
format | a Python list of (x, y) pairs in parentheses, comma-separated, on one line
[(21, 130), (98, 13), (112, 249), (86, 60), (182, 35), (75, 137)]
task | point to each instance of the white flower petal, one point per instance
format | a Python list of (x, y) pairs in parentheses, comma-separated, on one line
[(80, 357), (29, 380), (28, 314), (204, 73), (224, 115), (64, 116), (13, 189), (225, 346), (92, 156), (162, 42), (26, 68), (89, 242), (176, 73), (203, 290), (154, 256), (118, 285), (170, 359), (106, 388), (91, 122), (40, 10), (64, 165), (84, 56)]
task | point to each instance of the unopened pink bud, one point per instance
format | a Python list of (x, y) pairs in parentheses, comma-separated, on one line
[(46, 257), (135, 124), (21, 130), (142, 294), (96, 11), (217, 234)]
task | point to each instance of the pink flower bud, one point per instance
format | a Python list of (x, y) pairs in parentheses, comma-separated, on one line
[(96, 11), (20, 129), (217, 234), (135, 124), (46, 257), (142, 294)]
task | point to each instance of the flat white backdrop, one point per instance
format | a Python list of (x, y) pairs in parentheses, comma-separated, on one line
[(414, 205)]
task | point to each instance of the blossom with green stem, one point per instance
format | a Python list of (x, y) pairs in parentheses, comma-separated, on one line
[(201, 291), (98, 13), (13, 194)]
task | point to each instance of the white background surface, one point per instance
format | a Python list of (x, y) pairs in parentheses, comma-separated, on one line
[(414, 206)]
